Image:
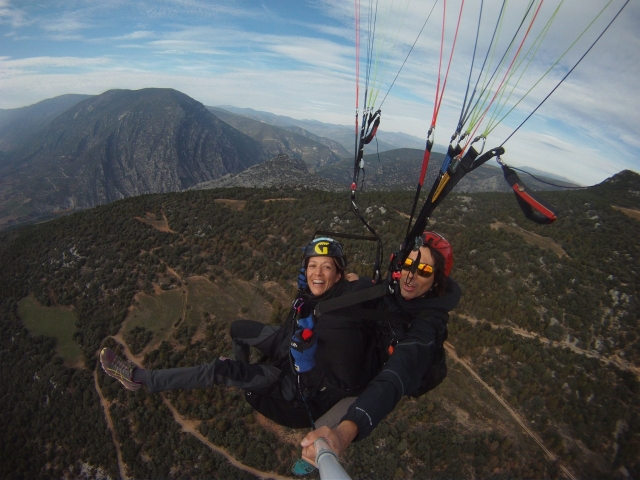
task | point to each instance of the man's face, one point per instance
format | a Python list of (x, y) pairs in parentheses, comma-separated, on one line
[(322, 274), (413, 285)]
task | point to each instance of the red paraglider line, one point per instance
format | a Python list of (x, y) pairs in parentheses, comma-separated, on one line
[(471, 137), (357, 20), (439, 93), (446, 76)]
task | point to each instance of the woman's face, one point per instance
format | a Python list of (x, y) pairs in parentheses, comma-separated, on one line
[(322, 274), (413, 285)]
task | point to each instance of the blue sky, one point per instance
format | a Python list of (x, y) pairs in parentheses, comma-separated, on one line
[(297, 58)]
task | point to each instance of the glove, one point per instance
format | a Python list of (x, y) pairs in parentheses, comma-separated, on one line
[(302, 279), (303, 349)]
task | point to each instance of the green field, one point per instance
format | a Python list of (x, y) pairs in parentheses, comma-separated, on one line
[(54, 322), (226, 301), (157, 313)]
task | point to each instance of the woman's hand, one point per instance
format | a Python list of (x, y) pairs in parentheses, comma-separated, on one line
[(338, 439)]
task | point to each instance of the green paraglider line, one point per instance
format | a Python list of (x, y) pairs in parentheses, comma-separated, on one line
[(479, 107), (488, 131), (568, 73)]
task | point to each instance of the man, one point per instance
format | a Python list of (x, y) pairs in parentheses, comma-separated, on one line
[(417, 363)]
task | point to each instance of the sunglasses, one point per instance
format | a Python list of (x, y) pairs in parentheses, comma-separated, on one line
[(424, 269)]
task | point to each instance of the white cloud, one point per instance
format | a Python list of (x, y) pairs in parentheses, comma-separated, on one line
[(12, 16), (40, 62), (260, 57), (137, 35)]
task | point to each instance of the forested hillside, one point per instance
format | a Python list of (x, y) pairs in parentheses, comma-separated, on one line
[(549, 320)]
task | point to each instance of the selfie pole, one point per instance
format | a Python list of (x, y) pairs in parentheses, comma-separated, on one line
[(328, 463)]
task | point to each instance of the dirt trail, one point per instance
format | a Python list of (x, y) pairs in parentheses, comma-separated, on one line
[(550, 455), (631, 212), (151, 220), (615, 360), (532, 238), (107, 414), (188, 426), (154, 344), (185, 290)]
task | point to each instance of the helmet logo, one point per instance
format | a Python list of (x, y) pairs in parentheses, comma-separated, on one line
[(322, 248)]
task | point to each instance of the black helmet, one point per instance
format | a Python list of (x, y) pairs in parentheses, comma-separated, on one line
[(324, 246)]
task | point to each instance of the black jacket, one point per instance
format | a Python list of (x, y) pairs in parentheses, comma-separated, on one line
[(347, 358), (412, 357)]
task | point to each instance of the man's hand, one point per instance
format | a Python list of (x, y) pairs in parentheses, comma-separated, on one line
[(338, 439), (352, 277)]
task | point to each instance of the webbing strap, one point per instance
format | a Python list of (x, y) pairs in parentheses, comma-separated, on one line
[(533, 207), (351, 299)]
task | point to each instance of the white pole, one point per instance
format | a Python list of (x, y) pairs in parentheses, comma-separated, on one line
[(328, 463)]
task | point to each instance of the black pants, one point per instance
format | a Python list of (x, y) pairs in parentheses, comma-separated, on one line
[(270, 390), (249, 333), (237, 373)]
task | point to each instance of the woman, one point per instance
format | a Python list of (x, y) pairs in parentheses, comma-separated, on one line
[(417, 362), (312, 364)]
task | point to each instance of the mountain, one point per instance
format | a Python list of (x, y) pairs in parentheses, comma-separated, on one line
[(18, 124), (282, 172), (550, 177), (484, 179), (334, 146), (74, 151), (296, 142), (340, 133), (120, 144), (400, 169)]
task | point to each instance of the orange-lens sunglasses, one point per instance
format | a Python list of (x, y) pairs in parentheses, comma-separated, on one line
[(424, 269)]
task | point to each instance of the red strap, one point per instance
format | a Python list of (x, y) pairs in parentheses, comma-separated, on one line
[(522, 193)]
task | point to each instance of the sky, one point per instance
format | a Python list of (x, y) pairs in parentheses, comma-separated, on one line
[(298, 58)]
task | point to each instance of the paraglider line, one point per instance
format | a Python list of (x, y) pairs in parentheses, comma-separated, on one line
[(548, 183), (410, 50), (568, 73)]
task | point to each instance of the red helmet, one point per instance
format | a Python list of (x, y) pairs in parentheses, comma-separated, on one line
[(438, 242)]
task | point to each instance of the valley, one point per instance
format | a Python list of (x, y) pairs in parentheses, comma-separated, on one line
[(168, 298)]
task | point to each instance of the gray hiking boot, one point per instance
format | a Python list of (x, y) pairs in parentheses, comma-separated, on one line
[(116, 367)]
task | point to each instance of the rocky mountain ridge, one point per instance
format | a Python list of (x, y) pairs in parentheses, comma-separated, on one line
[(340, 133), (282, 171), (400, 169), (120, 144), (17, 124), (76, 151), (293, 141)]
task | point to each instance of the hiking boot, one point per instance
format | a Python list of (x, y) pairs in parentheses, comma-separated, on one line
[(302, 468), (116, 367)]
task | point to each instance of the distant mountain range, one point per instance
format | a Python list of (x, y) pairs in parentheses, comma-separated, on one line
[(315, 151), (77, 151), (281, 171), (340, 133), (16, 125)]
